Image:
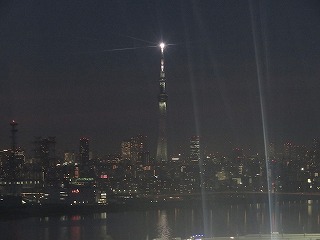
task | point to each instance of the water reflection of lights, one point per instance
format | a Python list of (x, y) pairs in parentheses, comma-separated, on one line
[(164, 232), (103, 215), (75, 233)]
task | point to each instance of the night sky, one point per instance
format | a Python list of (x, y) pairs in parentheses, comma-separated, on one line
[(62, 72)]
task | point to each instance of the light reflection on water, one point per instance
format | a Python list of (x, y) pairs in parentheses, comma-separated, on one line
[(228, 220), (75, 233), (163, 229)]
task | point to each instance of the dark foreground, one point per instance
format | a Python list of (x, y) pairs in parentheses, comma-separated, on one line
[(223, 216)]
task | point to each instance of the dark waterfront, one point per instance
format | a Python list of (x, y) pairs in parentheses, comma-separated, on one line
[(223, 220)]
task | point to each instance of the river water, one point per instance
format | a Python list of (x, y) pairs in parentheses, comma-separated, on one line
[(220, 220)]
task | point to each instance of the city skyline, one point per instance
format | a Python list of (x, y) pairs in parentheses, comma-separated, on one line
[(129, 149), (63, 73)]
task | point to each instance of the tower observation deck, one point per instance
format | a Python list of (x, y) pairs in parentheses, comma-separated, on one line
[(162, 99)]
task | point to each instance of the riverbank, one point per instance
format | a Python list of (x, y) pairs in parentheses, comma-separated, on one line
[(158, 202)]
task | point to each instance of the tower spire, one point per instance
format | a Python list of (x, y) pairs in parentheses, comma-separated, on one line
[(162, 99), (162, 73)]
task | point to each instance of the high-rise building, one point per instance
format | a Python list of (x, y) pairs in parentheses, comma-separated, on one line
[(84, 151), (138, 144), (69, 157), (162, 99), (125, 150), (45, 152), (144, 158), (195, 149), (135, 149), (45, 159), (6, 158), (13, 165)]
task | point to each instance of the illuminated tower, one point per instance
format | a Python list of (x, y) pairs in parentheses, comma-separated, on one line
[(162, 98)]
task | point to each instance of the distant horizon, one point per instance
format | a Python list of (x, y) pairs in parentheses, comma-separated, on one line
[(61, 150)]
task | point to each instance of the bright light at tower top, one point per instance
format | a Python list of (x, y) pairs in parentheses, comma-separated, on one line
[(162, 46)]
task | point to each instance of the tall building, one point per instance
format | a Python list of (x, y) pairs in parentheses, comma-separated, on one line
[(6, 166), (138, 145), (84, 151), (132, 149), (4, 162), (44, 159), (144, 158), (125, 150), (195, 149), (45, 152), (14, 166), (69, 157), (162, 99)]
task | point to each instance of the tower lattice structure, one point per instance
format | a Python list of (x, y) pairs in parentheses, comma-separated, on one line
[(162, 99)]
